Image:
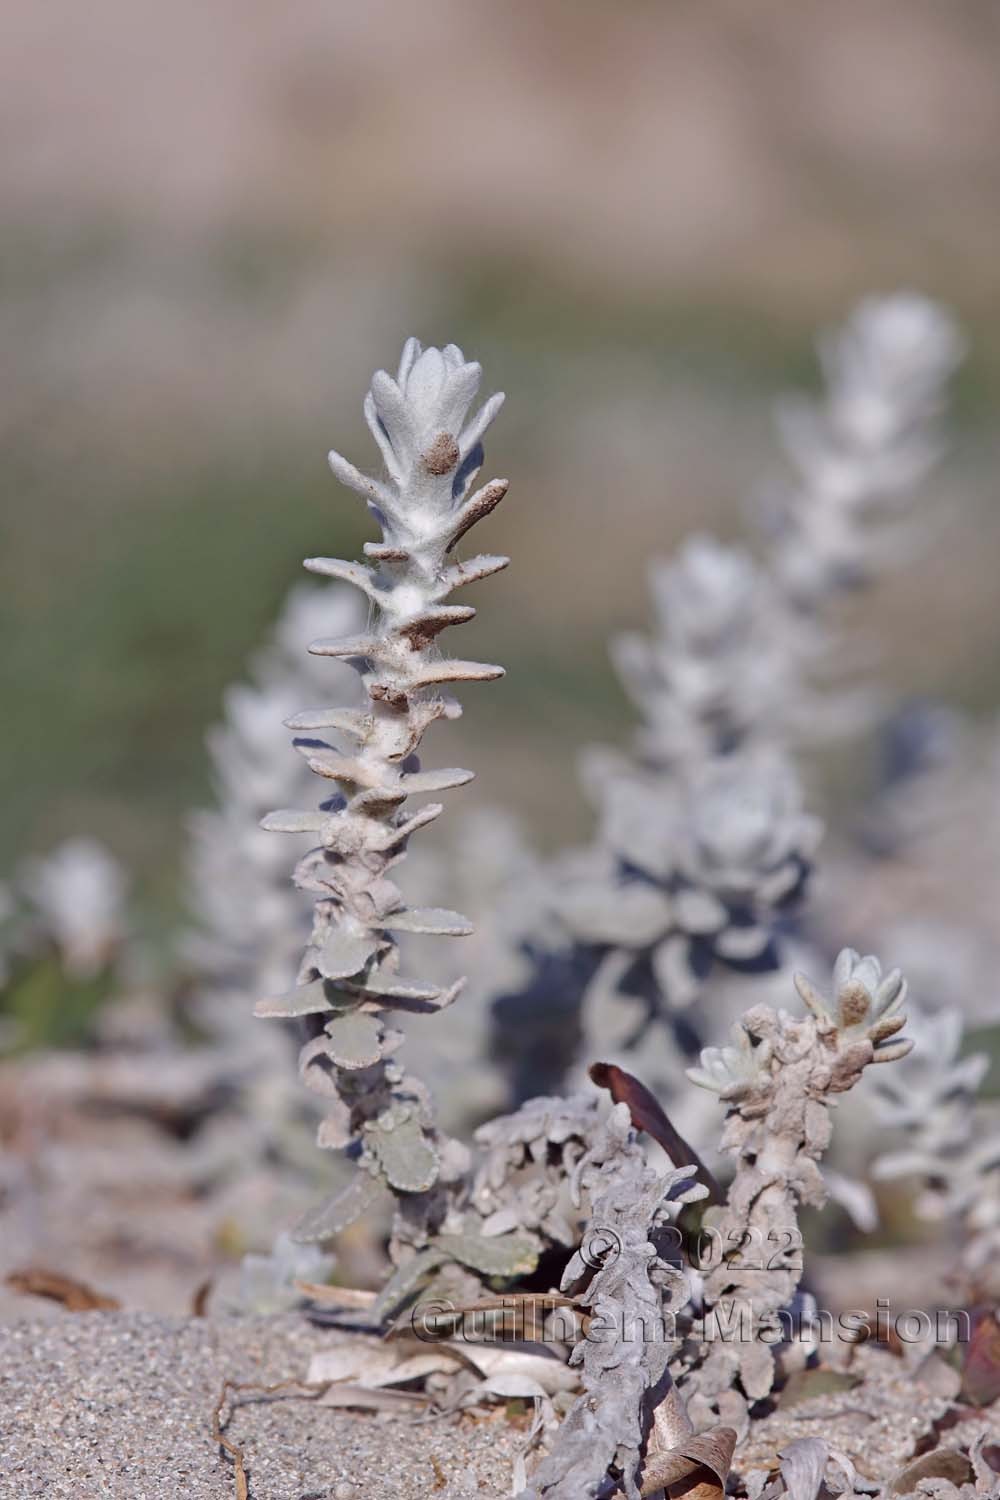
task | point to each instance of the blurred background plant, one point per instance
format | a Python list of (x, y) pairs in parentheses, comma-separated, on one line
[(196, 294)]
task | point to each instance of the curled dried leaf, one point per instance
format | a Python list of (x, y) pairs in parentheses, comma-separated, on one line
[(702, 1461)]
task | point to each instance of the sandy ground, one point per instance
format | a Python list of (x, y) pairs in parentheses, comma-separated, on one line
[(120, 1405)]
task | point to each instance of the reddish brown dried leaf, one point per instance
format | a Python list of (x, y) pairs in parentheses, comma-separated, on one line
[(199, 1302), (942, 1463), (75, 1296), (981, 1369), (649, 1115)]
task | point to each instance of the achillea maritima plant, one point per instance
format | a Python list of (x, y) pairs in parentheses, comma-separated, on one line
[(950, 1145), (349, 981), (864, 447), (623, 1282), (703, 841), (719, 667), (778, 1080)]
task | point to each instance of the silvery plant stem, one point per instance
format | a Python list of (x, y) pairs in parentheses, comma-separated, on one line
[(349, 982), (779, 1079)]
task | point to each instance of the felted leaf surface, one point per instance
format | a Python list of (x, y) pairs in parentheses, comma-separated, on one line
[(428, 919), (407, 1158), (334, 1131), (344, 954), (421, 782), (492, 1255), (673, 971), (699, 911), (347, 720), (289, 820), (633, 914), (355, 1040), (452, 670), (405, 1279), (380, 982), (336, 1213), (475, 568), (305, 1000), (334, 766)]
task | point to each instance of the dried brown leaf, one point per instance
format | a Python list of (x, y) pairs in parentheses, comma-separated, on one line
[(335, 1296), (75, 1296), (942, 1463), (649, 1115), (671, 1423), (523, 1319), (697, 1469), (199, 1302), (981, 1367)]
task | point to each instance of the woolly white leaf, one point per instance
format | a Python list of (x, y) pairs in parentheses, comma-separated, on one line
[(428, 920), (344, 954), (355, 1041)]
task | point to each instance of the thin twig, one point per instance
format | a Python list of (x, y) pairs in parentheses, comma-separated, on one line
[(235, 1387)]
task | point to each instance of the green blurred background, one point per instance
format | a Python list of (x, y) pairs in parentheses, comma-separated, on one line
[(220, 216)]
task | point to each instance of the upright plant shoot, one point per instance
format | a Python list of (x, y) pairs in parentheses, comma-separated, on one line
[(349, 981)]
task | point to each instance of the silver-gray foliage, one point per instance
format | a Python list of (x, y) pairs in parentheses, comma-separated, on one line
[(948, 1143), (251, 921), (703, 843), (864, 447), (74, 899), (349, 981), (627, 1287), (778, 1079), (691, 869), (722, 663)]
